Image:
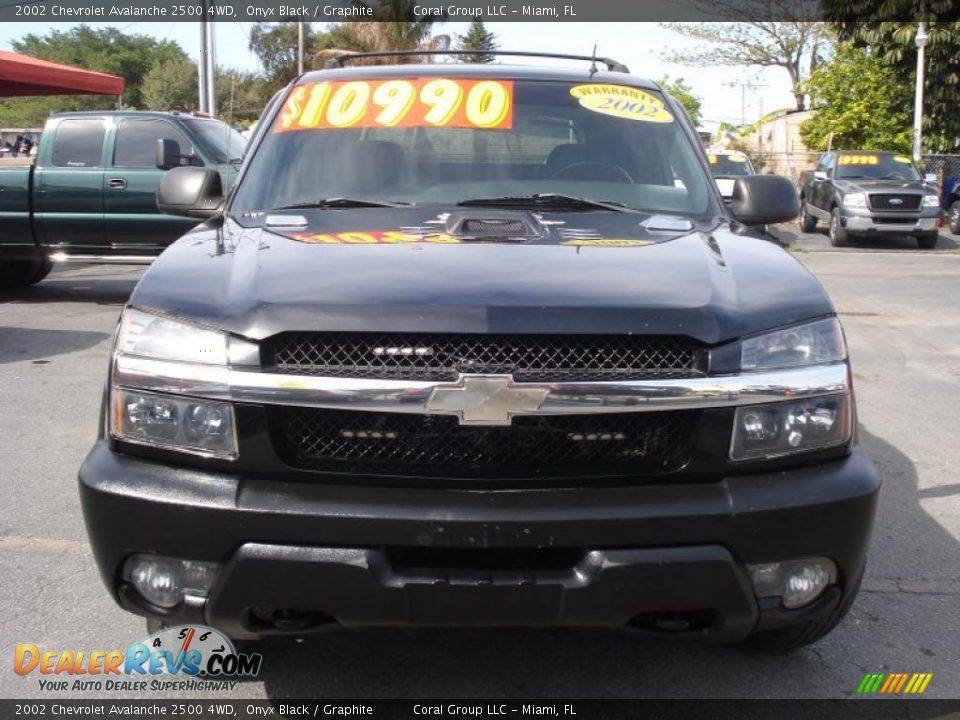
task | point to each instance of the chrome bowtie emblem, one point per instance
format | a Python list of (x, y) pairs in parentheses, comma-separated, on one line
[(485, 399)]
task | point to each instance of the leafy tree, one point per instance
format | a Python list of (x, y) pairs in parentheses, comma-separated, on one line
[(171, 84), (867, 24), (683, 93), (481, 41), (860, 101), (276, 45), (104, 50), (796, 44)]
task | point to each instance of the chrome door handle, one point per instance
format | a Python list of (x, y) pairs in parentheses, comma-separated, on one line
[(118, 183)]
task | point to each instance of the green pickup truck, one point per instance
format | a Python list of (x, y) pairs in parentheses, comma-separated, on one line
[(90, 194)]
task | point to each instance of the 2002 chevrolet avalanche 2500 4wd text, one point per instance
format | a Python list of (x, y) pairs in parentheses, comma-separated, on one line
[(480, 345)]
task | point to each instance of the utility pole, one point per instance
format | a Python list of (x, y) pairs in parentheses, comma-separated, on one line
[(300, 47), (921, 41), (202, 67), (211, 64)]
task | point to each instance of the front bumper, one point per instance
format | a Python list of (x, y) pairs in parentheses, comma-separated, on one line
[(316, 553), (873, 224)]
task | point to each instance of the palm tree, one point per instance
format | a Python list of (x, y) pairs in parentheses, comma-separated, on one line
[(395, 27)]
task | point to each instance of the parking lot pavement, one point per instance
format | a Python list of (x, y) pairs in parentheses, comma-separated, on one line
[(902, 315), (817, 241)]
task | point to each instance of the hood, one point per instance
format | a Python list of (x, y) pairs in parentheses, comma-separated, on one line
[(714, 286), (872, 185)]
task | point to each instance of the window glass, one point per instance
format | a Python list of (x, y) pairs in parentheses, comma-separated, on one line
[(136, 145), (79, 143), (387, 140)]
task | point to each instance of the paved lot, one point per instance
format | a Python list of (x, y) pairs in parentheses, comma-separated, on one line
[(902, 314)]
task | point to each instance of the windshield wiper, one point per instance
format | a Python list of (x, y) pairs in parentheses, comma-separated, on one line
[(547, 200), (342, 202)]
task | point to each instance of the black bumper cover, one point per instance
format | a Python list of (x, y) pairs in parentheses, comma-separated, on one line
[(323, 552)]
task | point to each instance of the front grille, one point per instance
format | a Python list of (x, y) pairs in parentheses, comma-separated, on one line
[(530, 358), (894, 201), (375, 443)]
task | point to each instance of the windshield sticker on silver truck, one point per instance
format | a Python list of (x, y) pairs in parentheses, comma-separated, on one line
[(622, 102)]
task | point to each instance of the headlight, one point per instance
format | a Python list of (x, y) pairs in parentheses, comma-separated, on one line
[(855, 201), (785, 428), (159, 419), (811, 344), (154, 336), (201, 427), (931, 201)]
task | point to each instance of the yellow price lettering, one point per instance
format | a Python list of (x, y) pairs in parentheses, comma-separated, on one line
[(444, 97), (395, 97), (487, 104), (348, 104), (292, 108), (310, 117)]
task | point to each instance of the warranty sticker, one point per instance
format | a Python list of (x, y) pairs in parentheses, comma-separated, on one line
[(622, 102)]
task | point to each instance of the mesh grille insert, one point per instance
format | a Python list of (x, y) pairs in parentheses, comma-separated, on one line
[(529, 358), (402, 444)]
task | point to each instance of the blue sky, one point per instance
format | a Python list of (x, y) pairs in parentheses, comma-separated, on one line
[(639, 45)]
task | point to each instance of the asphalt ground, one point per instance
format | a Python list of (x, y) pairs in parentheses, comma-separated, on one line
[(901, 310)]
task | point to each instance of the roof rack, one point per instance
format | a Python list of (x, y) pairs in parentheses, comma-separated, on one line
[(612, 65)]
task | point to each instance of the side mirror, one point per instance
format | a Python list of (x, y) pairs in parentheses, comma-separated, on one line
[(820, 176), (930, 179), (168, 154), (190, 191), (764, 200)]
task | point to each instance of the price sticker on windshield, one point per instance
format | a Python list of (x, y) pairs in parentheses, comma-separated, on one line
[(418, 102), (858, 160)]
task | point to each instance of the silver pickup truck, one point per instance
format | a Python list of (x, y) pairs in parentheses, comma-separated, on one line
[(869, 193)]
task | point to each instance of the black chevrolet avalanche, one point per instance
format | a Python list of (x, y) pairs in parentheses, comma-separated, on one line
[(480, 345)]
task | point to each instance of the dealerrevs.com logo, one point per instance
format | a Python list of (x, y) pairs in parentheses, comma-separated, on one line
[(186, 657)]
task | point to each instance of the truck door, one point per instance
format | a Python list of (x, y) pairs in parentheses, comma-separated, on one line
[(68, 187), (823, 190), (132, 223)]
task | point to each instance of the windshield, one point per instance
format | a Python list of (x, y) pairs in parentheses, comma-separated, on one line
[(435, 140), (881, 167), (219, 141), (729, 165)]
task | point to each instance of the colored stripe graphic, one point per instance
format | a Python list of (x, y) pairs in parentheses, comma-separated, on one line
[(894, 683)]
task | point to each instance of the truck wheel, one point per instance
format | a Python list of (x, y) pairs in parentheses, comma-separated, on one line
[(785, 639), (838, 234), (46, 265), (928, 241), (18, 273), (808, 223), (955, 218)]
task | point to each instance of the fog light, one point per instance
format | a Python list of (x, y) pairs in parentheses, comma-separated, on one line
[(795, 582), (165, 581)]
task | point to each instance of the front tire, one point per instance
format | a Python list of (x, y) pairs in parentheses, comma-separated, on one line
[(15, 274), (928, 241), (808, 223), (955, 217), (839, 237)]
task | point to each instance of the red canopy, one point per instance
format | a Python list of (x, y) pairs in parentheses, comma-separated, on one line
[(25, 75)]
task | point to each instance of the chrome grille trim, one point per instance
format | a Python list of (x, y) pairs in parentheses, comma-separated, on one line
[(410, 396)]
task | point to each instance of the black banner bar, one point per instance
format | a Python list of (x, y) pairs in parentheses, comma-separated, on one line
[(196, 709), (166, 11)]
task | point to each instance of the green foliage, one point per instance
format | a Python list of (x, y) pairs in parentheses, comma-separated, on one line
[(683, 94), (480, 40), (859, 21), (104, 50), (171, 84), (861, 101), (275, 45)]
